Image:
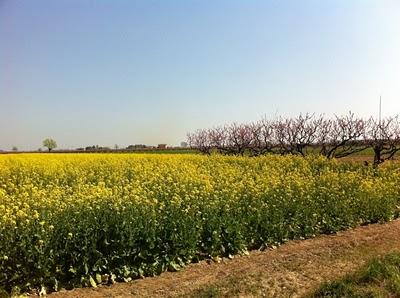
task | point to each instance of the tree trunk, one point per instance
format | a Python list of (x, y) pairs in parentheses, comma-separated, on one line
[(377, 155)]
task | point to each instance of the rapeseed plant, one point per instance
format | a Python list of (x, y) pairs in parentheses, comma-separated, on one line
[(81, 219)]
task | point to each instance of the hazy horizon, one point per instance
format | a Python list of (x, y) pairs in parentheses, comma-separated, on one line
[(147, 72)]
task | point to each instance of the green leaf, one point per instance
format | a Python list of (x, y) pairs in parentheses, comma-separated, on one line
[(92, 282), (72, 270), (98, 278), (55, 285), (113, 277), (42, 291), (141, 272), (172, 266)]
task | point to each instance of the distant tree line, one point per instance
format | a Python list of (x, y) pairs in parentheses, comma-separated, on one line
[(335, 137), (51, 145), (116, 148)]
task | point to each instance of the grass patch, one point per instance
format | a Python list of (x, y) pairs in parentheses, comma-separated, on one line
[(380, 277), (232, 286)]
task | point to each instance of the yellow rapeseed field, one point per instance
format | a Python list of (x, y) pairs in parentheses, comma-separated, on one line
[(83, 219)]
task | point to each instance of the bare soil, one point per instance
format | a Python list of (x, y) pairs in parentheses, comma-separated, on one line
[(292, 270)]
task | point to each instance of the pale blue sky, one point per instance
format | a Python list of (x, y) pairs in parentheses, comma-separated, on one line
[(124, 72)]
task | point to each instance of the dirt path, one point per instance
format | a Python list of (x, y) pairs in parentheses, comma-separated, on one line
[(292, 270)]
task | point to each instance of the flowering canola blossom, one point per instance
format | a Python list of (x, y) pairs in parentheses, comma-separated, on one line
[(84, 219)]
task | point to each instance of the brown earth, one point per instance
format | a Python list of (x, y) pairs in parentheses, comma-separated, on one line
[(292, 270)]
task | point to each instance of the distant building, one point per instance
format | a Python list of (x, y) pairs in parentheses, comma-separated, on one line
[(162, 146), (184, 144)]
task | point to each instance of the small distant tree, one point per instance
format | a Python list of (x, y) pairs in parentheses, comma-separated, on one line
[(116, 147), (50, 144), (14, 148)]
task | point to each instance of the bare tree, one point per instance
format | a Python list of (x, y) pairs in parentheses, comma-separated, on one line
[(218, 138), (384, 138), (342, 136), (333, 138), (304, 132), (323, 138), (239, 138), (297, 135), (283, 135), (262, 134), (200, 140)]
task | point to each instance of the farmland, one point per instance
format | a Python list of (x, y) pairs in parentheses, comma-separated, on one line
[(71, 220)]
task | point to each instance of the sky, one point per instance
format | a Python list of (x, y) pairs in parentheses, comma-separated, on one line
[(105, 72)]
